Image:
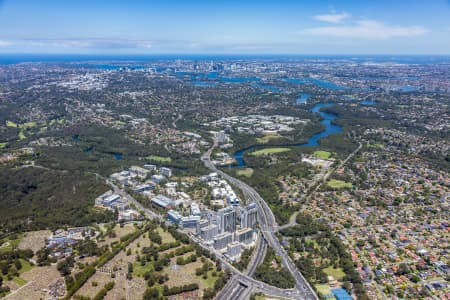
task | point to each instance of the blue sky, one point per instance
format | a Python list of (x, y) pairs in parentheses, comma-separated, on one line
[(225, 27)]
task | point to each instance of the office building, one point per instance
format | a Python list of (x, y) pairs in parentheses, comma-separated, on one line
[(249, 216), (201, 224), (158, 178), (209, 232), (141, 172), (195, 209), (234, 249), (163, 201), (227, 217), (232, 199), (150, 167), (165, 171), (222, 240), (245, 235), (213, 218), (189, 222), (144, 187), (174, 216)]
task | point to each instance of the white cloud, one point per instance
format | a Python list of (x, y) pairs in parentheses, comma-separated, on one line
[(80, 43), (366, 29), (332, 18), (5, 43), (97, 43)]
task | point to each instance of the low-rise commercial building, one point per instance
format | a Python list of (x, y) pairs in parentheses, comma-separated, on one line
[(189, 222), (163, 201)]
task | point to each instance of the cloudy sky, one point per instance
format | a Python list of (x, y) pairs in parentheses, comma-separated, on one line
[(225, 27)]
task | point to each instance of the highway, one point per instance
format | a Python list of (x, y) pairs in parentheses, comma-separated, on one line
[(233, 286), (247, 283), (242, 284), (268, 228), (258, 256)]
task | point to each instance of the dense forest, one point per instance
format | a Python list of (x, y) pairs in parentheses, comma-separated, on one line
[(36, 198)]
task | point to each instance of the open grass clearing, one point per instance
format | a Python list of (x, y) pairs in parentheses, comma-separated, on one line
[(26, 266), (267, 138), (247, 172), (339, 184), (160, 159), (337, 274), (10, 243), (56, 121), (324, 289), (322, 154), (376, 146), (19, 281), (269, 151), (22, 135), (27, 125), (11, 124)]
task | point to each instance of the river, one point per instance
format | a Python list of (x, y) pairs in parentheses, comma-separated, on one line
[(313, 140)]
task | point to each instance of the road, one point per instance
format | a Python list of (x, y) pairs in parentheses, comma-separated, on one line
[(238, 278), (316, 185), (18, 290), (258, 256), (268, 228), (233, 286)]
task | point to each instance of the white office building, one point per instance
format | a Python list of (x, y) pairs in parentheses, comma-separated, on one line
[(227, 217), (209, 232), (165, 171), (249, 216), (234, 250), (189, 222), (195, 209), (245, 236), (221, 241)]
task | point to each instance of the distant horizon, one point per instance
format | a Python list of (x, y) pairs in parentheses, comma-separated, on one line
[(283, 27), (220, 54), (13, 58)]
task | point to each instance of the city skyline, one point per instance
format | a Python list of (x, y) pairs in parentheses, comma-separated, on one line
[(225, 27)]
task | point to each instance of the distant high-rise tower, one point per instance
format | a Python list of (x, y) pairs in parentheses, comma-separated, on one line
[(227, 217), (249, 215)]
